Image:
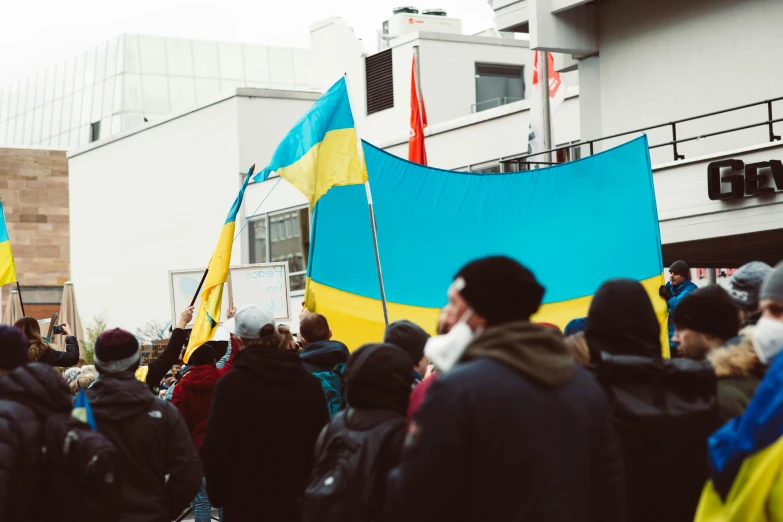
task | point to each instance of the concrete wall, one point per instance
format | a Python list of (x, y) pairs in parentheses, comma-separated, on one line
[(501, 132), (671, 59), (448, 78), (146, 203), (34, 188), (686, 213)]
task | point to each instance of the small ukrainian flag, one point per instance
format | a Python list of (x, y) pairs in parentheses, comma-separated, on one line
[(7, 265), (208, 316), (82, 410), (321, 150)]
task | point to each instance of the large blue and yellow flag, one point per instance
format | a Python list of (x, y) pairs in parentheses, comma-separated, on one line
[(321, 150), (574, 225), (208, 316), (7, 265)]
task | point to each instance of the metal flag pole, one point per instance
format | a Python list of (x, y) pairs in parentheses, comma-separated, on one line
[(543, 71), (21, 301), (417, 73), (373, 226)]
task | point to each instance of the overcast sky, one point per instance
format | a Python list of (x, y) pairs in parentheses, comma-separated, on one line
[(35, 34)]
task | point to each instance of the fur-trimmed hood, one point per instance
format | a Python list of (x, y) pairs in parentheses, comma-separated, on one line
[(737, 358)]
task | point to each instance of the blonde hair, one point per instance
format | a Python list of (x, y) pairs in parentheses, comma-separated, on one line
[(90, 369), (82, 381), (577, 345)]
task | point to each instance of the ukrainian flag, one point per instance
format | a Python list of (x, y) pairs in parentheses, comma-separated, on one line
[(746, 457), (7, 265), (574, 225), (321, 150), (208, 316)]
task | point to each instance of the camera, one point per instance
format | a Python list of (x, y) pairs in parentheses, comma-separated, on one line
[(58, 330)]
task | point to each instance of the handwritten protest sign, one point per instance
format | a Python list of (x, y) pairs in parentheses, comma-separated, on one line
[(263, 284)]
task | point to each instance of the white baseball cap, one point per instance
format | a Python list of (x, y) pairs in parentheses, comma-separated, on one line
[(248, 321)]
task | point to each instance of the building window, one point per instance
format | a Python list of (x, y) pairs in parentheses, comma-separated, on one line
[(498, 85), (289, 241), (95, 131), (570, 154), (380, 81)]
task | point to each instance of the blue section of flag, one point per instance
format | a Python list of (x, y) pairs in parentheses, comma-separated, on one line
[(83, 404), (331, 112), (574, 225)]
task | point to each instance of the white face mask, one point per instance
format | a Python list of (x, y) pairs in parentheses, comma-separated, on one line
[(445, 350), (768, 339)]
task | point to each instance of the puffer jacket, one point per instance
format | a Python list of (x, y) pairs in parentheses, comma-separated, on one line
[(193, 396), (158, 467), (514, 432), (739, 373), (26, 394)]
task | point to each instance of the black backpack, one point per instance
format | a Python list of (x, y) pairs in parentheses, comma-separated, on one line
[(662, 411), (78, 472), (343, 484)]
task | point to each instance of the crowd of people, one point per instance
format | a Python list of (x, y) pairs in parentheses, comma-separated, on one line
[(495, 418)]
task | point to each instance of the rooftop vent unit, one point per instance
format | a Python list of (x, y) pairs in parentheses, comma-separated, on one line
[(434, 12)]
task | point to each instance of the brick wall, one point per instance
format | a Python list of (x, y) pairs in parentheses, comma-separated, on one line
[(34, 190)]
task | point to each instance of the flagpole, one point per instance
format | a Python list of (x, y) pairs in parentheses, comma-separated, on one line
[(21, 301), (417, 73), (543, 70), (371, 210)]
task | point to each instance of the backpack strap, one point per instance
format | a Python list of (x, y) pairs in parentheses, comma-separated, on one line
[(339, 370)]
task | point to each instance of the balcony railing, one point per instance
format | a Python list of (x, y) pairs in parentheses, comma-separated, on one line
[(525, 161)]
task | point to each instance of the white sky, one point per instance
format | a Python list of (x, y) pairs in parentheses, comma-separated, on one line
[(35, 34)]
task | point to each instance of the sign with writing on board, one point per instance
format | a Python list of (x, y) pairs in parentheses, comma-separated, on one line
[(263, 284)]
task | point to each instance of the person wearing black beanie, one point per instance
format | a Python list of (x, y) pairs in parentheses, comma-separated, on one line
[(412, 338), (673, 292), (704, 320), (158, 467), (369, 434), (509, 406)]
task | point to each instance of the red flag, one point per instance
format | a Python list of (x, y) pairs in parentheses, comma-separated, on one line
[(416, 150)]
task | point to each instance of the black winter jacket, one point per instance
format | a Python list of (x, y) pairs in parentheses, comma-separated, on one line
[(66, 359), (515, 432), (663, 411), (323, 356), (152, 441), (26, 394), (267, 413)]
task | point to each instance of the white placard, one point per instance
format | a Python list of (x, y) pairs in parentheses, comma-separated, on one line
[(264, 284)]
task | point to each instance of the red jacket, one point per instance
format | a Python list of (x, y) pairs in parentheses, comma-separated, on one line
[(193, 396)]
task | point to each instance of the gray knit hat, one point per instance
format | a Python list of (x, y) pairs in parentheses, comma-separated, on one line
[(745, 284), (773, 284)]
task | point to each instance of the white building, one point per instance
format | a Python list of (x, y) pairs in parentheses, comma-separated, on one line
[(644, 64), (121, 84), (153, 198)]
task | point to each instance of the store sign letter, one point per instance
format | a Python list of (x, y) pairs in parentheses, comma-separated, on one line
[(752, 182)]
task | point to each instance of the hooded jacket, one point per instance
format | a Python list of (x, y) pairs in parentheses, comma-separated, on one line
[(26, 394), (193, 396), (739, 372), (622, 321), (323, 356), (152, 442), (378, 382), (514, 432), (662, 410), (258, 445)]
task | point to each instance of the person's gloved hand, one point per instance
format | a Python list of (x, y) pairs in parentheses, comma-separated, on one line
[(665, 292)]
